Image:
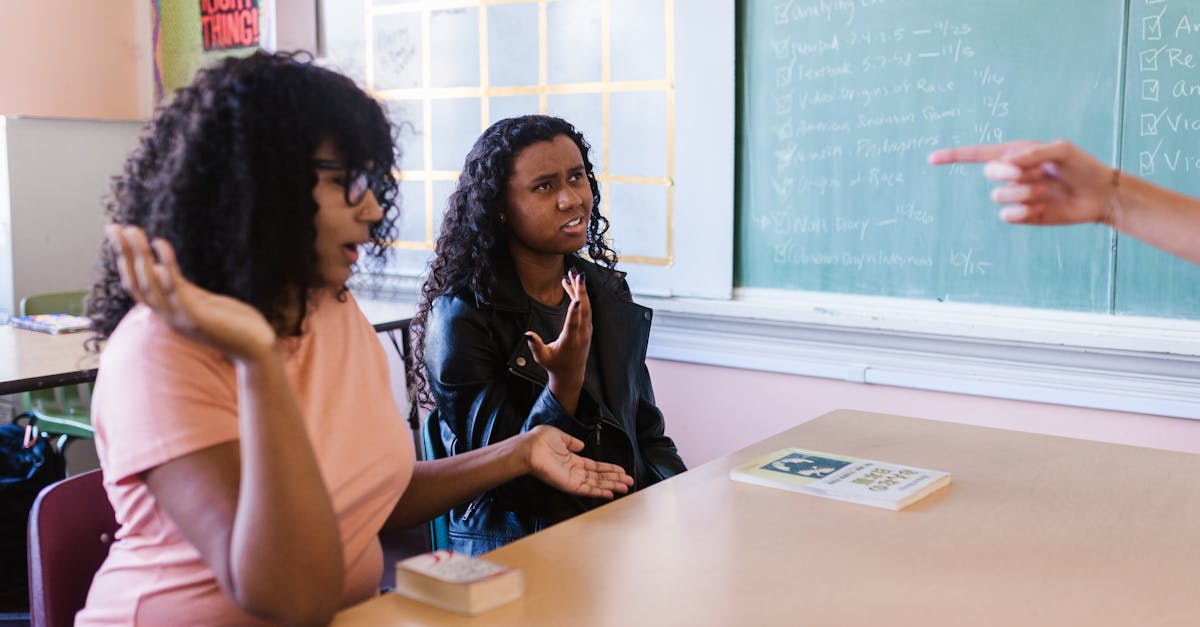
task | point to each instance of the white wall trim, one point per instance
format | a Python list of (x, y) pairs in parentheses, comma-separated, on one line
[(1143, 365)]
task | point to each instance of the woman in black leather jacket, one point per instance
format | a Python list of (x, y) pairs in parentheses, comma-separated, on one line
[(515, 329)]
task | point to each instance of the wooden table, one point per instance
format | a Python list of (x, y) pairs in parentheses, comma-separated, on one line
[(31, 360), (1034, 530)]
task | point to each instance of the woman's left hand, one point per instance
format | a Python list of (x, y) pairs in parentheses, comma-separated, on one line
[(552, 457), (566, 357)]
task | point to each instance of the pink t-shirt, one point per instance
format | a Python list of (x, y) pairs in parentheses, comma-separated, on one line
[(160, 396)]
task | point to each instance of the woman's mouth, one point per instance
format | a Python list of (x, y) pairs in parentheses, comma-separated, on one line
[(574, 226), (351, 251)]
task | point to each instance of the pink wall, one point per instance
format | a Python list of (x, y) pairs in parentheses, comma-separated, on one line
[(94, 59), (712, 411), (76, 59)]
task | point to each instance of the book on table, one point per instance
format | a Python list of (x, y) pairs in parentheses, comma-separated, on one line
[(456, 582), (842, 477), (51, 323)]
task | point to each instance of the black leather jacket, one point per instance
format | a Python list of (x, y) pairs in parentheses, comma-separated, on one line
[(488, 387)]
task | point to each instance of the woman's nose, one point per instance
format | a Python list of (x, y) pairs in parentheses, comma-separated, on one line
[(369, 210), (568, 199)]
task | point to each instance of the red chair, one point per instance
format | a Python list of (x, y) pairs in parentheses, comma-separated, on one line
[(71, 527)]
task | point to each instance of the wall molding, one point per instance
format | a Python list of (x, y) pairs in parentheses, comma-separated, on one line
[(1130, 364), (1139, 365)]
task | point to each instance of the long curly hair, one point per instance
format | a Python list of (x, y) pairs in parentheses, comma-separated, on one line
[(224, 174), (474, 241)]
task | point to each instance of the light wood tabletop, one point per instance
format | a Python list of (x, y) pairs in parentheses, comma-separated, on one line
[(1034, 530), (32, 360)]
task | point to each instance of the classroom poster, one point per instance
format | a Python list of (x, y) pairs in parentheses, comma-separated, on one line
[(190, 34)]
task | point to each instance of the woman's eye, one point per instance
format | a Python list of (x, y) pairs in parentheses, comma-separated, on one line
[(542, 187)]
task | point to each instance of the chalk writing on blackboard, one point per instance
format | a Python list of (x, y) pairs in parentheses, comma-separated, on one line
[(843, 100)]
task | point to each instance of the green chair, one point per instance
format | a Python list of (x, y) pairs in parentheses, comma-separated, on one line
[(62, 411), (432, 448)]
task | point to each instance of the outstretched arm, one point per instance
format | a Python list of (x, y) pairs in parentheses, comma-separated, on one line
[(255, 509), (1058, 183), (545, 452)]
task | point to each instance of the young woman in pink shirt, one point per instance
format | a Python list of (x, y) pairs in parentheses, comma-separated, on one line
[(244, 422)]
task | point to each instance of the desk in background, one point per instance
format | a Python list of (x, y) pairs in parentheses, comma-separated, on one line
[(1035, 530), (30, 360)]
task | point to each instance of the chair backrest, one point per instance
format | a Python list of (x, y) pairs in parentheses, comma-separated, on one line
[(60, 410), (54, 302), (71, 527), (432, 448)]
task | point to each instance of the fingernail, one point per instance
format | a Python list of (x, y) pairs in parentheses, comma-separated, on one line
[(1011, 194), (1000, 171), (1014, 213)]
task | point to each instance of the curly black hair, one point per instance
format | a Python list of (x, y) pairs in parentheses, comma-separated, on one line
[(224, 173), (473, 239)]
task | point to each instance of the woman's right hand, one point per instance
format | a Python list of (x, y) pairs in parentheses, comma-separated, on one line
[(231, 326), (1054, 183)]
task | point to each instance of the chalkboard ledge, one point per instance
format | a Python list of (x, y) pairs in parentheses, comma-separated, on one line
[(1141, 365)]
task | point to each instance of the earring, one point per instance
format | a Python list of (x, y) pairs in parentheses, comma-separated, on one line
[(503, 219)]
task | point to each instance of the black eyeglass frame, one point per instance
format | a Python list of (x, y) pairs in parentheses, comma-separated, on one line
[(357, 181)]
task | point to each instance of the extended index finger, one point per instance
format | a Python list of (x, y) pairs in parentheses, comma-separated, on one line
[(978, 153), (1035, 154), (585, 303)]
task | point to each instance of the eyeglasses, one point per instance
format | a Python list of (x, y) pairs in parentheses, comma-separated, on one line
[(357, 181)]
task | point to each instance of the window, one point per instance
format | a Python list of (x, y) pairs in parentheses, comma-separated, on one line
[(447, 69)]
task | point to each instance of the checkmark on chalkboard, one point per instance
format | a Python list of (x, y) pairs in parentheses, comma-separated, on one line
[(1148, 59), (1152, 28), (1146, 160), (1150, 89), (1150, 123)]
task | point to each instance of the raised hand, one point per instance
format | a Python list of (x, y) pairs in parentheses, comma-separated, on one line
[(229, 325), (553, 459), (1054, 183), (565, 359)]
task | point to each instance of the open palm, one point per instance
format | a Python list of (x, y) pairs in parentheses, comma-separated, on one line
[(227, 324), (566, 356), (553, 458)]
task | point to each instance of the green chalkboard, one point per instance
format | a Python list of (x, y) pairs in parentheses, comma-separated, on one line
[(840, 101), (1162, 144)]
